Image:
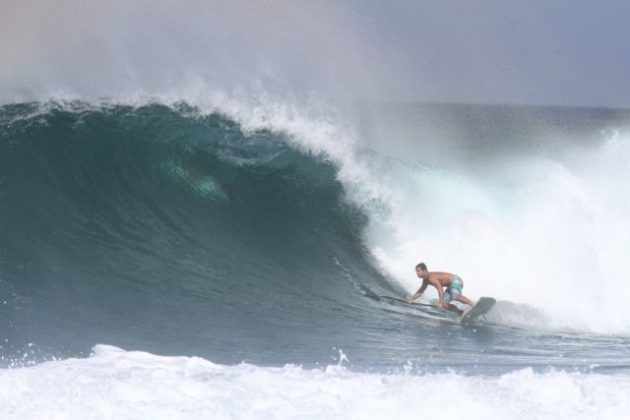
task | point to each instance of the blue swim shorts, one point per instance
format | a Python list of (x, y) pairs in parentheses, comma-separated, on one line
[(455, 289)]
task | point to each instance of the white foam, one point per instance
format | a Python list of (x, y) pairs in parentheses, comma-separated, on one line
[(116, 384), (549, 233)]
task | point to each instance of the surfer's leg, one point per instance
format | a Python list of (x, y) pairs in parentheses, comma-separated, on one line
[(447, 298), (455, 309), (463, 299), (456, 291)]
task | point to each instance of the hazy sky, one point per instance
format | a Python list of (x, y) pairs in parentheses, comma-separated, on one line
[(558, 52), (555, 52)]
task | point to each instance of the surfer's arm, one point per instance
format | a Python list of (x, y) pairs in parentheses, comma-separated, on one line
[(438, 286), (419, 292)]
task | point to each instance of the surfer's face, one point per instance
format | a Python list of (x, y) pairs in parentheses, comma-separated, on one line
[(420, 272)]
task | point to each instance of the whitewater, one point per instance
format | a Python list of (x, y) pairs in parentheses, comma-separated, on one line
[(113, 383)]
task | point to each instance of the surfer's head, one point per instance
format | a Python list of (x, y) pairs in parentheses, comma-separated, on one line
[(421, 270)]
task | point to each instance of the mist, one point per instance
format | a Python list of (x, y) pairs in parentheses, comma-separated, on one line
[(76, 50), (568, 53)]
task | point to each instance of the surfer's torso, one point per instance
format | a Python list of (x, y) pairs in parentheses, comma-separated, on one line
[(441, 278)]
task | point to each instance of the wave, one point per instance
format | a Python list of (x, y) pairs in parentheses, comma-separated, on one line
[(170, 226)]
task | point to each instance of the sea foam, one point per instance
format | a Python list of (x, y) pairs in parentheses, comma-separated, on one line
[(113, 383)]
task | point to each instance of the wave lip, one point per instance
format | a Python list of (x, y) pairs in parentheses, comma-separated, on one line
[(113, 383)]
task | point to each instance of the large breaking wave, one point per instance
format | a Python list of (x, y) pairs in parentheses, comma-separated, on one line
[(122, 223)]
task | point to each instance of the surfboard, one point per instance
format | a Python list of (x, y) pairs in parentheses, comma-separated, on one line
[(393, 299), (482, 307), (425, 309)]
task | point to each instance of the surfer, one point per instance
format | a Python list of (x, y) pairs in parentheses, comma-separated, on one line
[(453, 284)]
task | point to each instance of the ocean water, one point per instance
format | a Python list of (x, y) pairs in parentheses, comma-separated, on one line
[(170, 259)]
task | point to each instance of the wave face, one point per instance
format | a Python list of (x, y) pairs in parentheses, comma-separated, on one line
[(152, 227)]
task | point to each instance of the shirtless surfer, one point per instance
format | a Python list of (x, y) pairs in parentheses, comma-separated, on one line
[(452, 282)]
